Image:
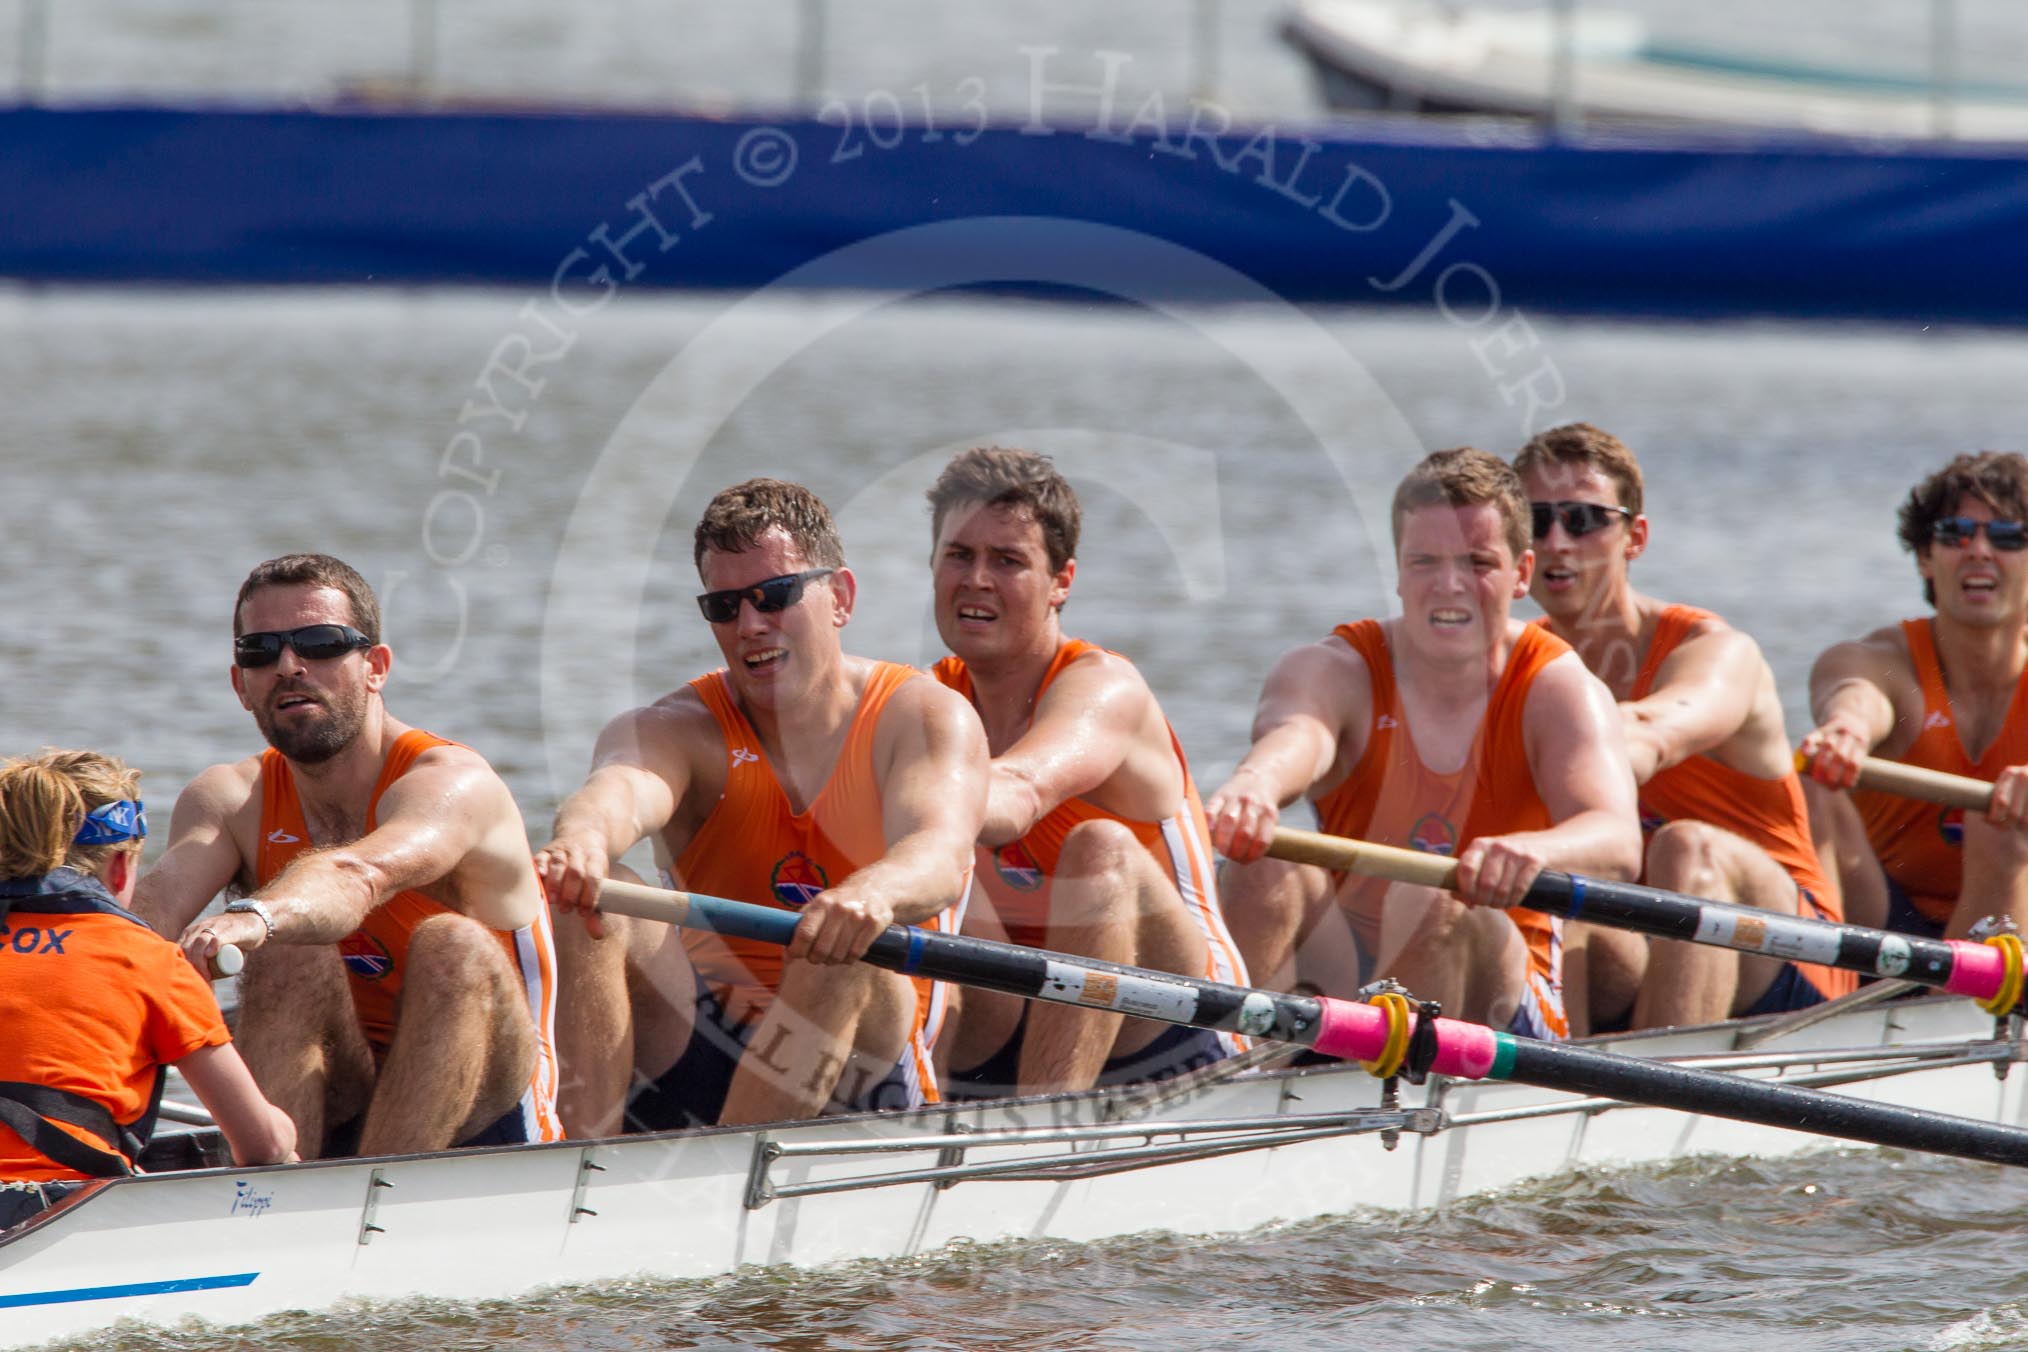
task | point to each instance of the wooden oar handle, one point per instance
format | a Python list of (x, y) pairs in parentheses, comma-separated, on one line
[(227, 961), (1375, 861), (644, 902), (1912, 781)]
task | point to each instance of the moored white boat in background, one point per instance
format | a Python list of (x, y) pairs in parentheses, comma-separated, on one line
[(1217, 1154), (1603, 66)]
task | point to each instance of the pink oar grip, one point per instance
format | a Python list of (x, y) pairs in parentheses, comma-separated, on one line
[(1358, 1032), (1977, 970)]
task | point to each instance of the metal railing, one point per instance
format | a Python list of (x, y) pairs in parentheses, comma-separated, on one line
[(422, 81)]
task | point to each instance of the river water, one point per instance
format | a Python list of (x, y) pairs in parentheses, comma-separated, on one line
[(530, 539), (1235, 466)]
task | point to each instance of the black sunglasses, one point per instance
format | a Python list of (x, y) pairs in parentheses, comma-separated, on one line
[(312, 642), (777, 593), (2005, 536), (1578, 518)]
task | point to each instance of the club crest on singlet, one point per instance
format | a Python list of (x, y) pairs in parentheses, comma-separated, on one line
[(1433, 835), (1950, 824), (797, 879), (365, 956), (1017, 867), (1652, 822)]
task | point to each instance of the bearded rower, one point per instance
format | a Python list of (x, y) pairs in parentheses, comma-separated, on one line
[(1452, 728), (1720, 801), (400, 996)]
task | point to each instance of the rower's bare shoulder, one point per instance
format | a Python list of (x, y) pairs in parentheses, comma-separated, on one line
[(1331, 657), (930, 704), (1714, 641), (678, 726), (220, 793), (1098, 675), (1880, 656), (1565, 697)]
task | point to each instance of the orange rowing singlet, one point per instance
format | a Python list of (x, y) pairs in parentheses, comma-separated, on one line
[(1769, 813), (373, 954), (1920, 844), (753, 847), (1016, 876), (1392, 798)]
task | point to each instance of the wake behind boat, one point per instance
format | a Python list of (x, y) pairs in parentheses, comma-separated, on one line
[(1216, 1153)]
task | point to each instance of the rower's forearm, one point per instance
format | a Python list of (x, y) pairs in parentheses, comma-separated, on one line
[(322, 898), (1647, 743), (918, 881), (1286, 761), (1597, 844), (1858, 704), (1013, 807), (605, 811)]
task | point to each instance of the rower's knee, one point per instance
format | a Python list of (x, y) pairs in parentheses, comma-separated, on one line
[(1103, 854), (827, 993), (1687, 857), (1099, 878)]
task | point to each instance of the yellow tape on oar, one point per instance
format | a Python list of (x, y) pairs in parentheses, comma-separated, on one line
[(2009, 994), (1400, 1016)]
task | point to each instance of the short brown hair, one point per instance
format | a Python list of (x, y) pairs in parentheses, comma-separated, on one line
[(997, 476), (43, 802), (1997, 478), (314, 570), (734, 521), (1465, 477), (1582, 444)]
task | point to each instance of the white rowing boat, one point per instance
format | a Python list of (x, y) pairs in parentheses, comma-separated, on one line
[(1219, 1153)]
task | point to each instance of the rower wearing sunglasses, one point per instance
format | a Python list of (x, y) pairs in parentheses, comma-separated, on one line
[(1452, 728), (1095, 841), (401, 996), (844, 789), (1721, 804), (1944, 692), (93, 1002)]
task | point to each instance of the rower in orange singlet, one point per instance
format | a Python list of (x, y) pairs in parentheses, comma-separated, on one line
[(1721, 804), (376, 954), (1451, 728), (375, 858), (1392, 797), (1094, 841), (1919, 844), (844, 789), (1944, 693)]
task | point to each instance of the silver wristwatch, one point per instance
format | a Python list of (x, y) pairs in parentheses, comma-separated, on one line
[(245, 904)]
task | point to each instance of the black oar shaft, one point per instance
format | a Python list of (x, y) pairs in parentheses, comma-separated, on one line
[(1565, 1068), (1350, 1029), (1953, 965)]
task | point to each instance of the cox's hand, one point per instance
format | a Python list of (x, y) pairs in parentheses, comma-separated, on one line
[(839, 925), (203, 940), (1242, 815), (1497, 871), (1832, 754), (570, 869), (2010, 798)]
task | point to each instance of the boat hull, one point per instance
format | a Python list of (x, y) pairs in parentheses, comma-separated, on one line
[(231, 1246)]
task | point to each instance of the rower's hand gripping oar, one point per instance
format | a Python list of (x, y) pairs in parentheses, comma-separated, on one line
[(1349, 1029), (1990, 973), (1913, 781)]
